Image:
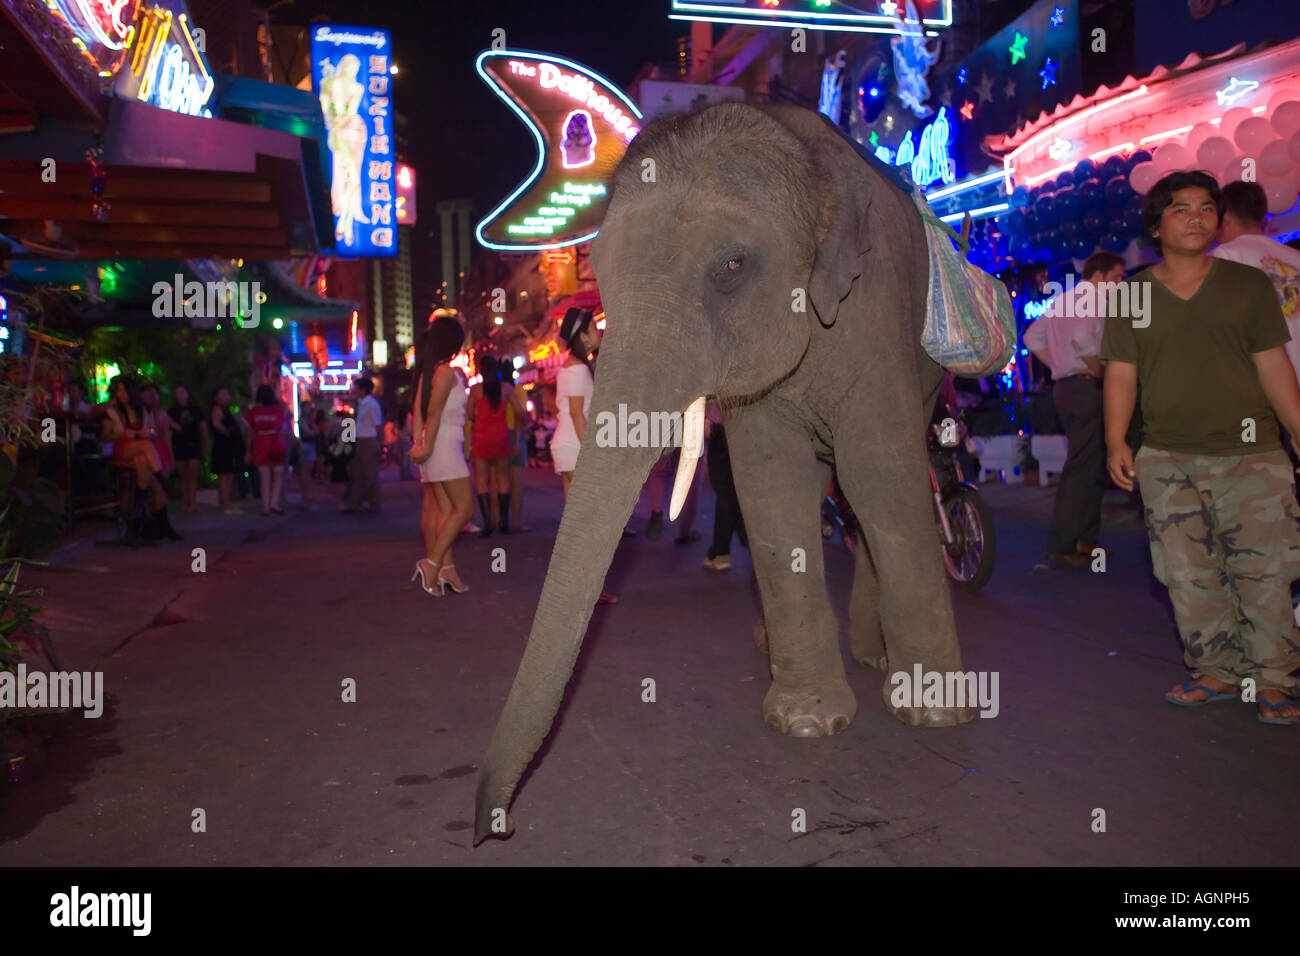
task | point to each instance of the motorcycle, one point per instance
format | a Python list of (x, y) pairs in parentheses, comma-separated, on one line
[(966, 536), (966, 533)]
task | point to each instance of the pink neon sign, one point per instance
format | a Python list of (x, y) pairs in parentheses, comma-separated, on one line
[(581, 124), (583, 90)]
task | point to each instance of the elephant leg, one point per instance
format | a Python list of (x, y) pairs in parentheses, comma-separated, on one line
[(883, 468), (866, 639), (780, 483)]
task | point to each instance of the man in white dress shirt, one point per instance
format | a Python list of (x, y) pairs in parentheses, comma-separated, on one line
[(1067, 339), (364, 467)]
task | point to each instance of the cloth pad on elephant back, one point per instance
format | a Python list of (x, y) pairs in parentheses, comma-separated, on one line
[(970, 324)]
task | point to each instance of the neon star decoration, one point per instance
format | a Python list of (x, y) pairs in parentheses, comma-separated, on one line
[(985, 88), (1235, 90), (1061, 148), (889, 8), (1048, 73), (582, 125), (961, 76), (968, 110), (1058, 17), (1017, 48)]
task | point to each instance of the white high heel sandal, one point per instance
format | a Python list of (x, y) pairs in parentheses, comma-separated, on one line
[(424, 581), (448, 583)]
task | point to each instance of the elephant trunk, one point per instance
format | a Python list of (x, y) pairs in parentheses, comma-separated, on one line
[(603, 493)]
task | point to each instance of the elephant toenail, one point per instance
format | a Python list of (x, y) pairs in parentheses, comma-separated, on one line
[(805, 727)]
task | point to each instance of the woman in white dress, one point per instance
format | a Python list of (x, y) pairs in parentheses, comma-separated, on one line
[(439, 450), (573, 387)]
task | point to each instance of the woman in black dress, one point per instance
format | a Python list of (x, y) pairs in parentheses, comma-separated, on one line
[(227, 448), (189, 435)]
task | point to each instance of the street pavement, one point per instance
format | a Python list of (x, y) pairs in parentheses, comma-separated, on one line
[(225, 694)]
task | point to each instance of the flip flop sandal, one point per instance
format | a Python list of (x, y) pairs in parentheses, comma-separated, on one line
[(1188, 687), (1280, 721)]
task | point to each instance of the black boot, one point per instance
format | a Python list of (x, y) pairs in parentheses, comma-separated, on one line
[(503, 502), (164, 525), (485, 505)]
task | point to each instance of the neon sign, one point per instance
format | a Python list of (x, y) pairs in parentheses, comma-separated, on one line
[(582, 125), (543, 352), (857, 16), (829, 104), (102, 29), (1036, 310), (167, 69), (1061, 148), (931, 160), (579, 146), (405, 197), (1235, 90), (351, 76), (466, 361)]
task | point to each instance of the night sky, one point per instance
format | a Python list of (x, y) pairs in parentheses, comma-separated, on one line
[(463, 140)]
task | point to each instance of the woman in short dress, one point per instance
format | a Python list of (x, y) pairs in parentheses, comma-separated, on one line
[(267, 421), (573, 387), (439, 451), (189, 434), (490, 447)]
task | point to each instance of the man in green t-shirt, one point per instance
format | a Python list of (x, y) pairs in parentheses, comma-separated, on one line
[(1218, 491)]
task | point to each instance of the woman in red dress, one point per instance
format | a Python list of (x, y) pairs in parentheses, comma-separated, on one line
[(267, 420), (490, 444)]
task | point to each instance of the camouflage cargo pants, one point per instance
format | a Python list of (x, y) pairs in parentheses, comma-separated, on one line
[(1225, 540)]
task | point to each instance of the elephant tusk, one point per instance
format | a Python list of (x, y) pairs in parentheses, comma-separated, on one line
[(692, 448)]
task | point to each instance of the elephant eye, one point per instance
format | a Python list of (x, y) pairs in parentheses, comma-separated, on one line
[(729, 269)]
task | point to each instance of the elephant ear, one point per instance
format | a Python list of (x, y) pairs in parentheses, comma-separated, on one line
[(843, 236)]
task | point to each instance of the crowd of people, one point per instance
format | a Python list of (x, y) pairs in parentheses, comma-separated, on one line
[(490, 426), (1211, 364), (248, 453)]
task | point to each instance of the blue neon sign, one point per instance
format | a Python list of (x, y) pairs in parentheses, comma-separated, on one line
[(351, 75)]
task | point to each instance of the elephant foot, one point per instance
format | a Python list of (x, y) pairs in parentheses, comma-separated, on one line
[(928, 716), (810, 710)]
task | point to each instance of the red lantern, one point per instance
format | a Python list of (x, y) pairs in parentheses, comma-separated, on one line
[(317, 351)]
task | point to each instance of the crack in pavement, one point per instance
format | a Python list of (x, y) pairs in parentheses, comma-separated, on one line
[(158, 620)]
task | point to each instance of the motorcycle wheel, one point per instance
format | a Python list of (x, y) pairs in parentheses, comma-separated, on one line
[(969, 558)]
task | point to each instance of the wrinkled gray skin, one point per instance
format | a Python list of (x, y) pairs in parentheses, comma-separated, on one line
[(846, 381)]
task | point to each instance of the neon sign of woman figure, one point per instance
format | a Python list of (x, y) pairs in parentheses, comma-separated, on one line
[(579, 146), (340, 100)]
